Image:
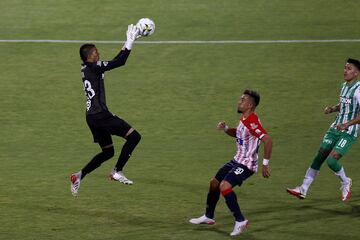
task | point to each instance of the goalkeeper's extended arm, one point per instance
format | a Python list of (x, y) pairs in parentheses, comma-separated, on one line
[(120, 59)]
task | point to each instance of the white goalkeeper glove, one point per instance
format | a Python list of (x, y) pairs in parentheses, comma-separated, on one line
[(131, 35)]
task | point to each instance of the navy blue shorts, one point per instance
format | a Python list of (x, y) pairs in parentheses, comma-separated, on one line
[(105, 124), (234, 173)]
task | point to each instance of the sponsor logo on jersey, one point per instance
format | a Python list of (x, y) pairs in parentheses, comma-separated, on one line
[(253, 126), (240, 141), (345, 100)]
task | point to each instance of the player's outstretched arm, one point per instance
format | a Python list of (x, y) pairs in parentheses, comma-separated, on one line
[(123, 55), (229, 131), (267, 155)]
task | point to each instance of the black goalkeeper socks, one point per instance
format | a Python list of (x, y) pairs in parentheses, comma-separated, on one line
[(132, 140), (106, 154)]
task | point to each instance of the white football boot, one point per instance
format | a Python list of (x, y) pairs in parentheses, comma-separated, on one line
[(239, 227), (119, 176), (75, 179), (346, 190), (297, 192), (202, 220)]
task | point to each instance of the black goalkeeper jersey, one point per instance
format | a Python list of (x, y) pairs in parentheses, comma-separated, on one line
[(93, 74)]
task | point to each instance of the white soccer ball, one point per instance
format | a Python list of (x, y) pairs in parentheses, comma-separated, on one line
[(146, 26)]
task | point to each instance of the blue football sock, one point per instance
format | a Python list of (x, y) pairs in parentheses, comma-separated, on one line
[(231, 202)]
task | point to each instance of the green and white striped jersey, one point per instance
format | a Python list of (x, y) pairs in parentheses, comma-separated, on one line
[(349, 107)]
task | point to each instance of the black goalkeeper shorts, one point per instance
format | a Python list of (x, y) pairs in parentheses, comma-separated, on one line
[(105, 124)]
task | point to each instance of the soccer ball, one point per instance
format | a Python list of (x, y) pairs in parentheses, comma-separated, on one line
[(146, 26)]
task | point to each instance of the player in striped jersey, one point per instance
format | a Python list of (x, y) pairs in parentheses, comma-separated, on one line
[(340, 136), (249, 133)]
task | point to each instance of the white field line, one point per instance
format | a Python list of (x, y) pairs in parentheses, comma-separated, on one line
[(183, 42)]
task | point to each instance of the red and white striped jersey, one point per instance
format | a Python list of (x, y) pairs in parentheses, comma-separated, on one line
[(248, 135)]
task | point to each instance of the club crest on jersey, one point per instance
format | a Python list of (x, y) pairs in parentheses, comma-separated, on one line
[(253, 126)]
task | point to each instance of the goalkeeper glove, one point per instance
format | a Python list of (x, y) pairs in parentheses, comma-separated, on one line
[(131, 35)]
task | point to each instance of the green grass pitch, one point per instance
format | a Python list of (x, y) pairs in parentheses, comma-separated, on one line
[(174, 94)]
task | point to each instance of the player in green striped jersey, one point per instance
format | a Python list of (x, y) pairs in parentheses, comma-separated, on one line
[(341, 134)]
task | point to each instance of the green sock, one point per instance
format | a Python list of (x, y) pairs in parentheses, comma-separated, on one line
[(318, 161), (334, 164)]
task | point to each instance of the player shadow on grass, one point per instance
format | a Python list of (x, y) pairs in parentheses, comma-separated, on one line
[(306, 212), (353, 204), (223, 231), (284, 212), (306, 234)]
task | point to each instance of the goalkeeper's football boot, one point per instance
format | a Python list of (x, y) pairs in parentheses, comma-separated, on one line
[(75, 180), (119, 176), (239, 227), (297, 192), (202, 220), (346, 190)]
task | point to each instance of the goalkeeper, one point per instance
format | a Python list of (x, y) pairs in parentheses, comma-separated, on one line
[(102, 123)]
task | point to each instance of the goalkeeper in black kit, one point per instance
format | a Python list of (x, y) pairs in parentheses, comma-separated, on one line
[(100, 120)]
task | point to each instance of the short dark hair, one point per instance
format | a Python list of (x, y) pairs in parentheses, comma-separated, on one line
[(85, 51), (254, 95), (354, 62)]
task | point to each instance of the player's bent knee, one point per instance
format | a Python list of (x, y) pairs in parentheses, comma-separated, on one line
[(224, 186), (335, 155), (137, 136), (134, 137), (129, 132), (324, 152)]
